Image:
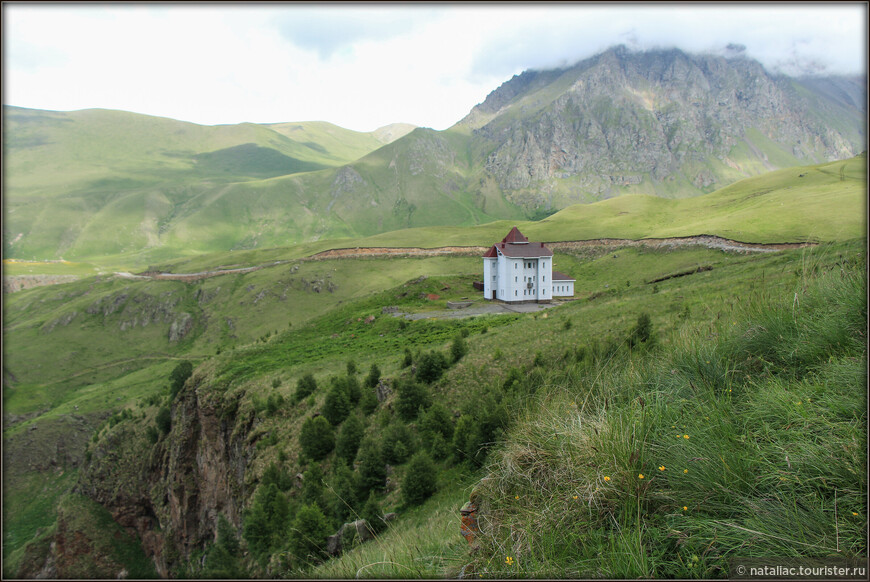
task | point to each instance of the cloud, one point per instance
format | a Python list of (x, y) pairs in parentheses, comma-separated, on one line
[(328, 30), (787, 38), (368, 66)]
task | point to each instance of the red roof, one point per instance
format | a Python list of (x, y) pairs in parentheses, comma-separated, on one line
[(517, 246), (524, 251), (557, 276), (515, 236)]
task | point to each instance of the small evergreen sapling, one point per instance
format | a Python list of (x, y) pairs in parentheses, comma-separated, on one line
[(419, 482)]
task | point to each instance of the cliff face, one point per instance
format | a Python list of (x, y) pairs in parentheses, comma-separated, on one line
[(169, 494), (659, 117)]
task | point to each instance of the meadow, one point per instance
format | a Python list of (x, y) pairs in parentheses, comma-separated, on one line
[(754, 356)]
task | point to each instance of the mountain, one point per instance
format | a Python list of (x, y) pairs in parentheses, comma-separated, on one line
[(90, 468), (661, 122)]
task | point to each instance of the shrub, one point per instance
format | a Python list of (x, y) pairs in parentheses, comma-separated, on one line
[(373, 514), (353, 390), (336, 405), (279, 476), (372, 469), (305, 386), (164, 419), (436, 420), (308, 534), (419, 482), (369, 401), (274, 403), (349, 436), (312, 485), (342, 493), (642, 333), (373, 378), (266, 521), (224, 558), (316, 438), (439, 447), (178, 377), (431, 366), (397, 443), (458, 348), (411, 396)]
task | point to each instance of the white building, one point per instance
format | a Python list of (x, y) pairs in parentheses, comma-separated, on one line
[(517, 271)]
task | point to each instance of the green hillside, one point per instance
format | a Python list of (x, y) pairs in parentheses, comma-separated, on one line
[(140, 177), (284, 329), (95, 183), (811, 203)]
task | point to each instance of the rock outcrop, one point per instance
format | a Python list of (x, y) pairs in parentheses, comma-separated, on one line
[(168, 494), (623, 118)]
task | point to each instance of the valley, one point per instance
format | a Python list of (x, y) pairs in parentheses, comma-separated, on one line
[(236, 351)]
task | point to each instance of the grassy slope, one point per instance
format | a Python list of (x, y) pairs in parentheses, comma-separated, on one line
[(134, 176), (705, 296), (670, 463), (827, 203), (163, 188)]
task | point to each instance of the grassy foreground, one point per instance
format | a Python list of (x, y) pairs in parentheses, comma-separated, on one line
[(745, 438), (781, 331)]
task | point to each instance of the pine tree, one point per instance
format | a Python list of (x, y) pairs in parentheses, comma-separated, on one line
[(266, 521), (178, 377), (349, 435), (316, 438), (342, 493), (305, 386), (369, 401), (372, 468), (224, 557), (312, 486), (336, 405), (373, 514), (373, 378), (419, 482), (410, 398), (308, 534), (397, 443)]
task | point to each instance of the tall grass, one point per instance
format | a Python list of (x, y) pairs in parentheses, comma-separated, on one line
[(744, 441)]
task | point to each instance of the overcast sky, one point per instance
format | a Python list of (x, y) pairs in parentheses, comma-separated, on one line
[(365, 66)]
